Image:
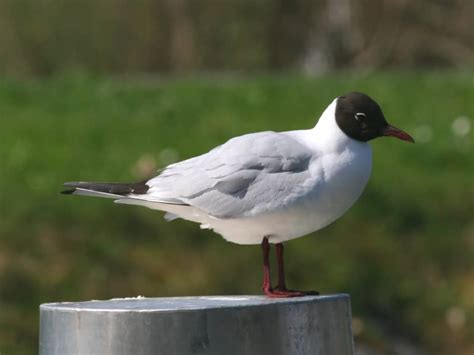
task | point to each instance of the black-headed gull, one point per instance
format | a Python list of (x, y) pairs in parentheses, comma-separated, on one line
[(268, 187)]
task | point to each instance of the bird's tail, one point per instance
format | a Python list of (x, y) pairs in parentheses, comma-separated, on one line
[(105, 189)]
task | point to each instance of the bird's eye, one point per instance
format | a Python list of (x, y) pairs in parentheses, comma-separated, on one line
[(360, 116)]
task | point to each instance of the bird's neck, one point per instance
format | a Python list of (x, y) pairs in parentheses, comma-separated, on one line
[(327, 133)]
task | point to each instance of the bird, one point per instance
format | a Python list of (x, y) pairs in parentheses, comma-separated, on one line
[(267, 187)]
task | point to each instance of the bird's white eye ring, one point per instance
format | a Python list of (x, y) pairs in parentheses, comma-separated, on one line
[(359, 115)]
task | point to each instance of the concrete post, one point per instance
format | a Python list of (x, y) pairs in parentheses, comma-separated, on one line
[(213, 325)]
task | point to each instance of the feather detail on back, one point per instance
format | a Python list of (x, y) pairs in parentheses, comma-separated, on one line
[(239, 178)]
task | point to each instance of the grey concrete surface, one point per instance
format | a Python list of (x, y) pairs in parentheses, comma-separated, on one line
[(214, 325)]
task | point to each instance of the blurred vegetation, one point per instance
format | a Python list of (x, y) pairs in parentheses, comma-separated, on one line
[(40, 37), (404, 252)]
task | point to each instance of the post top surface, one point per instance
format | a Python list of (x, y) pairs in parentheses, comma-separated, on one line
[(168, 304)]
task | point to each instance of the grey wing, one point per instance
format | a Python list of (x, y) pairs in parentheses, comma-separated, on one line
[(247, 175)]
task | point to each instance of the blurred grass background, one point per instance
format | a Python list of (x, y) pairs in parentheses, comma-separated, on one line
[(404, 252), (115, 89)]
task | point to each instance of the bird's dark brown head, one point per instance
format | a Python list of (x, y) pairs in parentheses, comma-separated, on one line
[(362, 119)]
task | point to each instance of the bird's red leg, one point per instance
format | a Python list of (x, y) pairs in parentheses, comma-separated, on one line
[(281, 269), (281, 289), (267, 287)]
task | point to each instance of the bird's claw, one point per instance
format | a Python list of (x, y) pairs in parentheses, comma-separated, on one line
[(279, 292)]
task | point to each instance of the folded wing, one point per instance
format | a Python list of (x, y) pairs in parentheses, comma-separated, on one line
[(246, 176)]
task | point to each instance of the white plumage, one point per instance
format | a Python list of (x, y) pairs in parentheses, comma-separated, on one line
[(281, 185)]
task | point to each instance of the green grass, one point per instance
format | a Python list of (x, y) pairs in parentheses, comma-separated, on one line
[(404, 252)]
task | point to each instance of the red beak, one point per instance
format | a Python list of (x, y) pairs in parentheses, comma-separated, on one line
[(398, 133)]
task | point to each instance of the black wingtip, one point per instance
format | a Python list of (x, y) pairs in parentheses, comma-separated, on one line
[(115, 188), (68, 192), (72, 188), (73, 183)]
